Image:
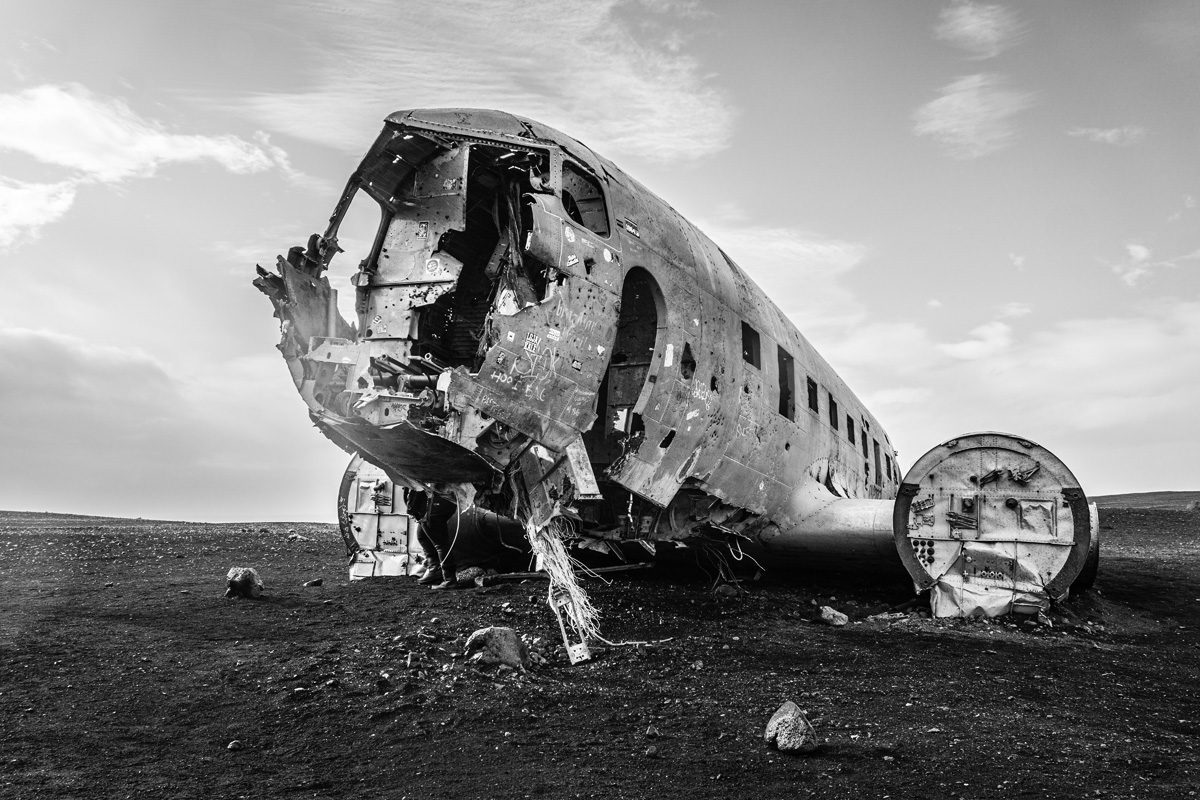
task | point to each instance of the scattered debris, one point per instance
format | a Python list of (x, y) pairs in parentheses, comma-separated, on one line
[(832, 617), (498, 646), (234, 745), (315, 582), (651, 732), (726, 591), (652, 751), (244, 582), (789, 730), (295, 537)]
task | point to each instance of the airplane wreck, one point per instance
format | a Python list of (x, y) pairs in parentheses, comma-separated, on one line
[(536, 334)]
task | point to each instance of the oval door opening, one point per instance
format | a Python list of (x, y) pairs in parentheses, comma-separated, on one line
[(630, 369)]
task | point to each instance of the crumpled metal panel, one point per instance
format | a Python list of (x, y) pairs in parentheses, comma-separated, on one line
[(308, 303), (542, 375), (411, 271), (991, 523), (953, 599), (413, 236), (410, 451)]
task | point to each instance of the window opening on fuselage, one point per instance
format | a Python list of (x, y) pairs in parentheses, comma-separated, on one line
[(887, 466), (787, 383), (812, 396), (864, 441), (878, 468), (850, 428), (488, 247), (750, 346), (583, 199), (358, 232), (833, 412), (404, 176)]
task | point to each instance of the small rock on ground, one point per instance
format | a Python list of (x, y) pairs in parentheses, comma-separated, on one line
[(498, 646), (789, 731), (831, 617), (244, 582)]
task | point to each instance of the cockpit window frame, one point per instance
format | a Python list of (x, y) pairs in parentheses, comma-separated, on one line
[(591, 178)]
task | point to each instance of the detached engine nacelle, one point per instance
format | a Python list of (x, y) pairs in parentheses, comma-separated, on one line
[(992, 523)]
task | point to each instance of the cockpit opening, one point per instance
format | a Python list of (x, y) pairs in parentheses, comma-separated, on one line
[(449, 244)]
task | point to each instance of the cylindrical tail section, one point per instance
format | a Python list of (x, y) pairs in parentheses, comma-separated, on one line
[(992, 523)]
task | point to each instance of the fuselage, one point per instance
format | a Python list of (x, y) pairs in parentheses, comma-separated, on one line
[(523, 294)]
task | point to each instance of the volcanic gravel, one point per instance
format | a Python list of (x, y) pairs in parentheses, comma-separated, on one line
[(124, 672)]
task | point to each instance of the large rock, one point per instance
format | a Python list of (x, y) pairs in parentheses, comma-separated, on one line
[(789, 731), (498, 646), (831, 617), (244, 582)]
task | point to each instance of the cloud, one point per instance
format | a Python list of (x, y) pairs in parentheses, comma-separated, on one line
[(1116, 372), (865, 346), (26, 207), (103, 139), (1138, 252), (797, 269), (985, 31), (1011, 310), (972, 117), (1189, 203), (1017, 260), (991, 339), (1121, 137), (583, 66), (886, 399), (682, 8), (83, 422), (1105, 393), (1139, 263), (63, 394)]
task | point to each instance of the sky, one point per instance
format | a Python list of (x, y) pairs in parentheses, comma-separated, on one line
[(983, 215)]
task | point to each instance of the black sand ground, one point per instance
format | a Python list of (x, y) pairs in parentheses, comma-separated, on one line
[(125, 673)]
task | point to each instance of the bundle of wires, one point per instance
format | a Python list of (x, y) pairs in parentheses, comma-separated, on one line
[(547, 544)]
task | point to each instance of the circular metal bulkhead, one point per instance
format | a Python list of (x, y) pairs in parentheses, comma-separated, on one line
[(992, 523)]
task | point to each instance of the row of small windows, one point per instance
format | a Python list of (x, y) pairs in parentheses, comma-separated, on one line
[(752, 354)]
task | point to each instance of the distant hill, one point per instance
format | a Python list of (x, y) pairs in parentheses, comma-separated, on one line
[(51, 519), (1163, 500)]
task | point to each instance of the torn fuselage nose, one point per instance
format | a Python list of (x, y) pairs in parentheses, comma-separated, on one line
[(476, 307)]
